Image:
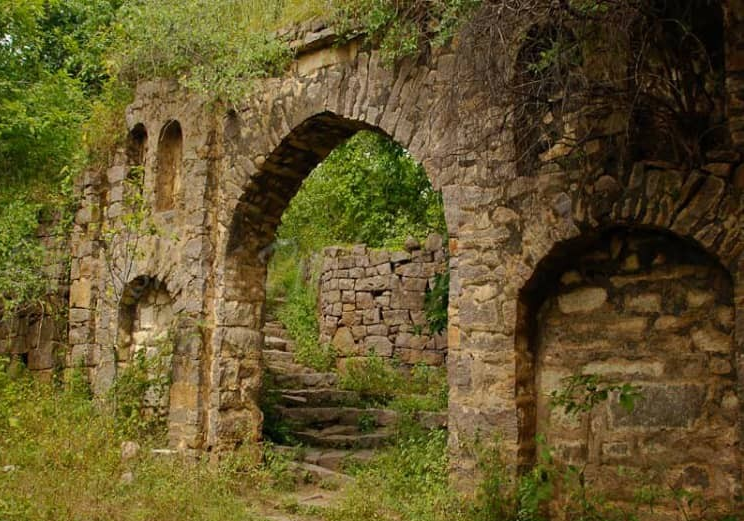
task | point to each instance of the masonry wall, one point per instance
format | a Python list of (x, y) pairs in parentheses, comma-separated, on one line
[(241, 168), (373, 301), (646, 309), (36, 336)]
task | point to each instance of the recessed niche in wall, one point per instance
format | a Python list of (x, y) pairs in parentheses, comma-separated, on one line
[(168, 168)]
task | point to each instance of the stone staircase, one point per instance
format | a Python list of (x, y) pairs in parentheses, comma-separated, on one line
[(327, 422)]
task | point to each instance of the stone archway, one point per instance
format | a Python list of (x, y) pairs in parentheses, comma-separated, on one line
[(253, 225), (152, 334), (146, 336), (640, 307)]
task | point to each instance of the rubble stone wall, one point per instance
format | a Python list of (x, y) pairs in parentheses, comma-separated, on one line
[(645, 309), (373, 301), (240, 167)]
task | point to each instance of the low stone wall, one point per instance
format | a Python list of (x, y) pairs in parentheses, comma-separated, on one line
[(373, 301)]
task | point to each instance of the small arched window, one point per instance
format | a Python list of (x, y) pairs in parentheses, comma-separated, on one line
[(170, 152), (137, 146)]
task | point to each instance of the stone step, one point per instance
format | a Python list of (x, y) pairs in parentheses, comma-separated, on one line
[(280, 370), (274, 324), (304, 380), (278, 344), (276, 356), (338, 459), (320, 474), (315, 397), (319, 417), (339, 438), (280, 363), (332, 459), (275, 329), (282, 334)]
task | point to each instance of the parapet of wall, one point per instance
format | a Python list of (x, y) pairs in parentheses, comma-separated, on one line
[(373, 301)]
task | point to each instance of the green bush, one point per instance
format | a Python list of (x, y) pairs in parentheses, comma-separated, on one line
[(404, 28), (216, 48), (144, 377), (381, 384), (299, 311), (368, 190)]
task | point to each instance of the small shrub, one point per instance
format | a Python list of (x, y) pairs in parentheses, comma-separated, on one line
[(380, 383), (139, 389), (408, 482), (366, 423), (373, 378)]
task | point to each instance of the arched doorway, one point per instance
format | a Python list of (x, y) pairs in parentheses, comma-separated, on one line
[(250, 245), (639, 307), (146, 350)]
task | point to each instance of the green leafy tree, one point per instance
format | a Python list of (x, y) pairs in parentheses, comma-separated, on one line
[(369, 190), (215, 47), (49, 51)]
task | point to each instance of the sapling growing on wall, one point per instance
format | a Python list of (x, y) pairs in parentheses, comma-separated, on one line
[(121, 242), (582, 392)]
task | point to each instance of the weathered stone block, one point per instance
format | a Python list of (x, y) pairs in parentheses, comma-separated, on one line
[(377, 330), (378, 257), (697, 298), (413, 269), (399, 256), (331, 297), (381, 345), (359, 332), (384, 269), (395, 317), (343, 341), (377, 283), (645, 303), (345, 284), (582, 300), (371, 316), (364, 300), (413, 284), (345, 263), (434, 242), (407, 300), (711, 340), (662, 406), (80, 292)]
